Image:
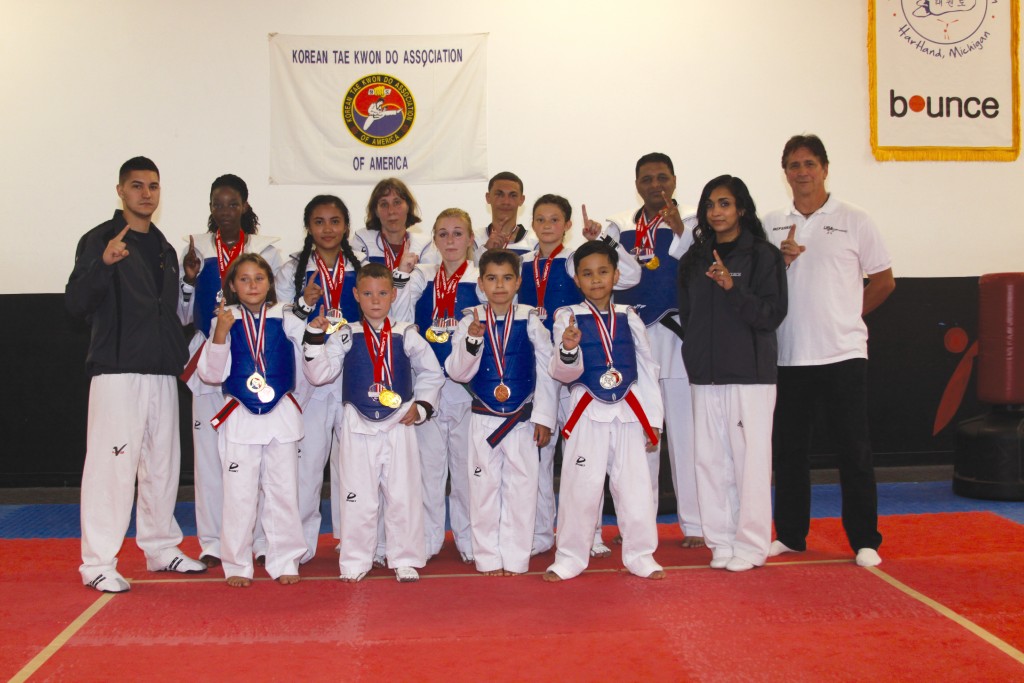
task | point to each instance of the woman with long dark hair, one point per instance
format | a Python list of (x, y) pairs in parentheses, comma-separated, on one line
[(732, 297)]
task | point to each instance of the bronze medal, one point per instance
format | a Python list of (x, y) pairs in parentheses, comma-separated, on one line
[(502, 392)]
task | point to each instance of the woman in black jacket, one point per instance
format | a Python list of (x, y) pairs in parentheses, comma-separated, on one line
[(732, 298)]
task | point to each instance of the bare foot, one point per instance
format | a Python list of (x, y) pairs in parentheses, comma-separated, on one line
[(494, 572), (656, 576), (239, 582), (288, 579), (692, 542), (508, 573), (552, 577)]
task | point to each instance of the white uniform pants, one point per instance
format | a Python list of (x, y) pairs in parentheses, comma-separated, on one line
[(208, 482), (318, 418), (386, 463), (675, 394), (443, 451), (132, 432), (503, 495), (593, 449), (733, 425), (250, 469), (544, 526)]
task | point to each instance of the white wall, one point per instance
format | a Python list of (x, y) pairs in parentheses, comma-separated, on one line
[(576, 92)]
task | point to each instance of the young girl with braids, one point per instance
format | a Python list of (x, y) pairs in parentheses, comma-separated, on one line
[(231, 230), (321, 276), (435, 298)]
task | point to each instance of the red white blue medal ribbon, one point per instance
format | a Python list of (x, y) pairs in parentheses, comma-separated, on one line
[(332, 281), (444, 294), (541, 281), (391, 259), (379, 348), (646, 233), (498, 346), (612, 377), (255, 336)]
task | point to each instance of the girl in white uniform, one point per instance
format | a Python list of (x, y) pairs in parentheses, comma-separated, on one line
[(434, 296), (232, 230), (321, 276), (260, 425)]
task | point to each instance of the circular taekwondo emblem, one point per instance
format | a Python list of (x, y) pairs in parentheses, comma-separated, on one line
[(945, 22), (378, 110)]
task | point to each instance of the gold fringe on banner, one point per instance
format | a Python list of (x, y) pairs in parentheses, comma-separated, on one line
[(891, 153)]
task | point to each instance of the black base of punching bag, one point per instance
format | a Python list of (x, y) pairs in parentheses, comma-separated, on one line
[(989, 459)]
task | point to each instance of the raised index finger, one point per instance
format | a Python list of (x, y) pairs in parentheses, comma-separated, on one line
[(191, 243), (792, 232), (585, 219), (120, 235), (718, 259)]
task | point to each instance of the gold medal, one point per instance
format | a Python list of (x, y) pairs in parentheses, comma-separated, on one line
[(502, 392), (653, 263), (431, 335), (389, 399), (441, 337), (335, 319), (255, 383)]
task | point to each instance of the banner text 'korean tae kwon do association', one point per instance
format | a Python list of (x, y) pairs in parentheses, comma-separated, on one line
[(353, 110)]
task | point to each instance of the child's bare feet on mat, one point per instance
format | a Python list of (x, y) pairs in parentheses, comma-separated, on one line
[(239, 582), (551, 576), (656, 576), (692, 542), (288, 579)]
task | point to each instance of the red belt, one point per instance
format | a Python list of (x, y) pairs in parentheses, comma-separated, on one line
[(631, 400)]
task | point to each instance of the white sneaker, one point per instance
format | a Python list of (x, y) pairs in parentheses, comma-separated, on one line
[(180, 563), (868, 557), (379, 561), (778, 547), (720, 562), (406, 574), (600, 550), (111, 582), (353, 578), (738, 564)]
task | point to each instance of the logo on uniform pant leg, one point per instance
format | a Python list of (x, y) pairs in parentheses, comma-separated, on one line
[(581, 461), (197, 425), (119, 450), (477, 471), (351, 497), (740, 424), (233, 467)]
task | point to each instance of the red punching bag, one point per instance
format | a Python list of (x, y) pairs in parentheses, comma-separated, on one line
[(989, 458)]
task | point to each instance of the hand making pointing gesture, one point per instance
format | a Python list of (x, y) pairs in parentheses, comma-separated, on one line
[(116, 248), (789, 247), (719, 273), (670, 214), (476, 328), (571, 336), (591, 229), (191, 264)]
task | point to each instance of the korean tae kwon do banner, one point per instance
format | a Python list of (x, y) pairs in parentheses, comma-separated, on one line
[(943, 79), (353, 110)]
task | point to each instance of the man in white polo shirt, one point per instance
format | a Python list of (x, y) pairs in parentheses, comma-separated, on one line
[(828, 246)]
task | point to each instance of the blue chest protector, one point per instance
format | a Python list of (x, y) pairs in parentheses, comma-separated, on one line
[(279, 354), (357, 376), (465, 297), (561, 290), (349, 307), (655, 295), (520, 370), (208, 284), (595, 364)]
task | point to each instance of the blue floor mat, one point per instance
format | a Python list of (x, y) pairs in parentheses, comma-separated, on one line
[(62, 521)]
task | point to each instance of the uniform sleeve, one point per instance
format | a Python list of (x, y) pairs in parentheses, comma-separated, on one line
[(215, 360), (91, 279), (284, 282), (462, 365), (404, 308), (681, 243), (321, 363), (429, 377), (559, 370), (648, 388), (762, 304), (545, 394), (630, 269)]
